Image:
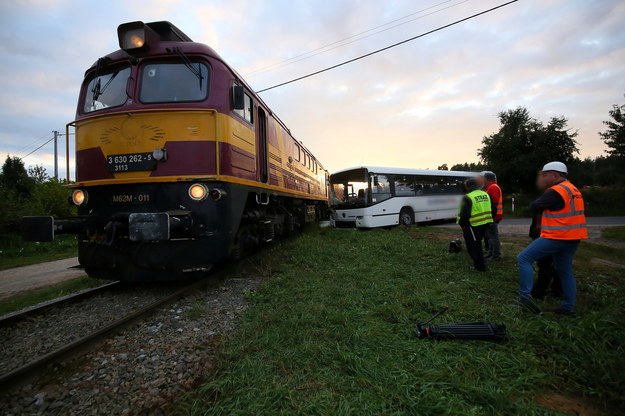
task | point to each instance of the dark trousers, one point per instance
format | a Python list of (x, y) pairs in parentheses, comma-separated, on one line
[(473, 237), (547, 279), (493, 247)]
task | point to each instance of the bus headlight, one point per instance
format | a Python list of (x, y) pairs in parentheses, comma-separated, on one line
[(79, 197), (198, 192)]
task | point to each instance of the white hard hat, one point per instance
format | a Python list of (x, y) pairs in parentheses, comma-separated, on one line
[(555, 166)]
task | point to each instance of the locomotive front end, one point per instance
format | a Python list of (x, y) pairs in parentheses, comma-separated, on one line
[(149, 205)]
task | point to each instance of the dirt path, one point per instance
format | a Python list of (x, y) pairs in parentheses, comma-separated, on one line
[(519, 227), (37, 276)]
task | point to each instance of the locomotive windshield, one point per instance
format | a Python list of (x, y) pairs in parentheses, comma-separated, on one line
[(107, 90), (173, 82)]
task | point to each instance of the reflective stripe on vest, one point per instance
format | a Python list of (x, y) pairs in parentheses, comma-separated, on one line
[(500, 201), (570, 222), (480, 208)]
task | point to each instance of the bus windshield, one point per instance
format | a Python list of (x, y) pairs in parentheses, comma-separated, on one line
[(350, 189), (350, 194)]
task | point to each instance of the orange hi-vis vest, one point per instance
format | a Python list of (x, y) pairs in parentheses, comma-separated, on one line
[(499, 212), (569, 223)]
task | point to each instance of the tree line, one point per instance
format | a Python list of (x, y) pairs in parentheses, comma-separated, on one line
[(30, 192), (523, 144)]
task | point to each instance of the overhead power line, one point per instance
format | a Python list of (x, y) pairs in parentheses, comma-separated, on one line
[(33, 143), (339, 43), (387, 47), (24, 157)]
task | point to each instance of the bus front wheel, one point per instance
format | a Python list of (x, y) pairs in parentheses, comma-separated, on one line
[(406, 216)]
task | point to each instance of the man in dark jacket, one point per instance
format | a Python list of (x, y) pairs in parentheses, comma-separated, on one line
[(474, 216), (547, 281)]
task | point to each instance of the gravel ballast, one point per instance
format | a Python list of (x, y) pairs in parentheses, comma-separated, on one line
[(145, 367)]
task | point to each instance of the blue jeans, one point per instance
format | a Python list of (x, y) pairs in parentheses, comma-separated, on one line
[(563, 252)]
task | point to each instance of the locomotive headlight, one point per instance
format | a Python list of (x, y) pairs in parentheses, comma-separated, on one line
[(131, 35), (217, 194), (160, 155), (79, 197), (198, 192)]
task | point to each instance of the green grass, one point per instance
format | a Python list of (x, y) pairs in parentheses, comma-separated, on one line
[(615, 233), (332, 333), (34, 297), (15, 253)]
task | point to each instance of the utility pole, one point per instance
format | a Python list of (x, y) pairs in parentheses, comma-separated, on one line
[(56, 155)]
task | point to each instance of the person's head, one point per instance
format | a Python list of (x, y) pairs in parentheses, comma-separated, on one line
[(471, 185), (479, 179), (551, 174), (488, 177)]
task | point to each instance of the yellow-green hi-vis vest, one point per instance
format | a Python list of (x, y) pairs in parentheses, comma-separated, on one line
[(481, 211)]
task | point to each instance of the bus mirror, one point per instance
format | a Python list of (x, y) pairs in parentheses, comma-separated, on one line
[(238, 101), (375, 181)]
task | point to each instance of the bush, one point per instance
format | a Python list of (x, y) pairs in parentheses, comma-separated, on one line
[(599, 202), (604, 201)]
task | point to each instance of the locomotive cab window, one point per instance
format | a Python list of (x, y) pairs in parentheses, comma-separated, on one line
[(248, 109), (174, 82), (106, 90)]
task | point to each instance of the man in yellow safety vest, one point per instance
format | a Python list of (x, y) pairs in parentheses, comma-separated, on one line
[(474, 216)]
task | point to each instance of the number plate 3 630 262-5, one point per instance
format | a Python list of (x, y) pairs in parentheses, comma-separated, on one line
[(130, 162)]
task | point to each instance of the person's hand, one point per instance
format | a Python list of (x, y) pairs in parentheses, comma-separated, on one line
[(534, 232)]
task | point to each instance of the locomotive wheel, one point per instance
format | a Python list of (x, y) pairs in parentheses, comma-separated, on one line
[(406, 216)]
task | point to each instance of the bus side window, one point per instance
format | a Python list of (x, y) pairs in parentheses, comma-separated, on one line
[(380, 188), (404, 185)]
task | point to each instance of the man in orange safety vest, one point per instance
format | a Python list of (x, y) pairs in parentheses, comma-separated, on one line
[(496, 196), (563, 226)]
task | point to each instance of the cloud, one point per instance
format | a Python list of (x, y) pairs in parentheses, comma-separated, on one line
[(421, 104)]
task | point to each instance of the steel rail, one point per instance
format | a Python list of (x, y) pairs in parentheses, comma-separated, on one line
[(80, 346), (12, 317)]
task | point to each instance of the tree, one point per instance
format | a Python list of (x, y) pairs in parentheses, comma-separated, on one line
[(15, 178), (443, 167), (614, 136), (469, 167), (38, 174), (523, 145)]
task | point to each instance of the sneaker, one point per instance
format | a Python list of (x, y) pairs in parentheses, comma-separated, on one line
[(561, 311), (528, 304)]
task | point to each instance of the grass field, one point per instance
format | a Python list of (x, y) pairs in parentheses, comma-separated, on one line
[(34, 297), (615, 233), (331, 332), (15, 253)]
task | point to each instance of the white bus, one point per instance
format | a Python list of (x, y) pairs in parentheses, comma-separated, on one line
[(369, 196)]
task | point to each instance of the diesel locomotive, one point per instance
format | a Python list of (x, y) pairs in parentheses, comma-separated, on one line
[(179, 164)]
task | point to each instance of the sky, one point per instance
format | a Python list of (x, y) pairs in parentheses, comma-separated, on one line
[(419, 105)]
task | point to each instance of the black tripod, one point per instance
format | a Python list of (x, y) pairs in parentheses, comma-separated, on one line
[(485, 331)]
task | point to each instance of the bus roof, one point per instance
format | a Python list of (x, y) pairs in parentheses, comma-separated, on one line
[(403, 171)]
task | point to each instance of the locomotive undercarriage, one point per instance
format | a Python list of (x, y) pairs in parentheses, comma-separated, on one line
[(149, 242)]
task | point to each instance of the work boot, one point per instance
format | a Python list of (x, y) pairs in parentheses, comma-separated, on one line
[(561, 311), (528, 304)]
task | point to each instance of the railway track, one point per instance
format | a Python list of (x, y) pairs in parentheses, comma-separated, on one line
[(14, 324), (26, 313)]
